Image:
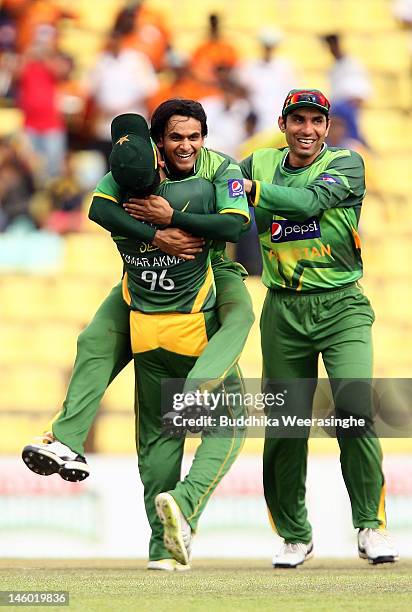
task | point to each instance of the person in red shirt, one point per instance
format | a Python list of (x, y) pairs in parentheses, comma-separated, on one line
[(38, 100)]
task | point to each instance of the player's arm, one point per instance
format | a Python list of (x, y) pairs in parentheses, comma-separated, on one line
[(106, 211), (232, 212), (214, 226), (109, 215), (342, 184)]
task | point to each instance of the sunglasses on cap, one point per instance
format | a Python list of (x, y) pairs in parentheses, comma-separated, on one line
[(311, 98)]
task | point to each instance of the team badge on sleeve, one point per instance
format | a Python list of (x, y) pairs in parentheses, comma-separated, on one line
[(328, 178), (236, 188)]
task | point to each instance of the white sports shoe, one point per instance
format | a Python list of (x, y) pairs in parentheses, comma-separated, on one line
[(177, 532), (167, 565), (375, 545), (49, 456), (292, 555)]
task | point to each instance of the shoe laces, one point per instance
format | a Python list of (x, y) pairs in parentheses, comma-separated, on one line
[(293, 547), (379, 536)]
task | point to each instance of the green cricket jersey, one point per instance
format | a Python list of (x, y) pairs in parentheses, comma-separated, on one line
[(157, 282), (307, 218)]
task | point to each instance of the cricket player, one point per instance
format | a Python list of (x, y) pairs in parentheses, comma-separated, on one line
[(117, 352), (308, 200)]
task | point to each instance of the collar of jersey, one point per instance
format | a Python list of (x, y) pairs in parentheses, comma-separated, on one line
[(286, 170), (197, 165)]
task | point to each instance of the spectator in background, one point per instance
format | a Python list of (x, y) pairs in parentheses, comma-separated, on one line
[(268, 78), (227, 113), (38, 100), (71, 100), (214, 54), (343, 133), (349, 80), (402, 10), (16, 189), (9, 60), (37, 21), (65, 198), (181, 83), (144, 29), (121, 81)]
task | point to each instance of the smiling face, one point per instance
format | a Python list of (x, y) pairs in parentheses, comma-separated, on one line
[(181, 143), (305, 130)]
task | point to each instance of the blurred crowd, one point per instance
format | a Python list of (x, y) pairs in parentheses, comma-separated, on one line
[(45, 172)]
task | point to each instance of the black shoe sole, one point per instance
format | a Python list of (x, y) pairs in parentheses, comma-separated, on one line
[(39, 463), (377, 560), (73, 473)]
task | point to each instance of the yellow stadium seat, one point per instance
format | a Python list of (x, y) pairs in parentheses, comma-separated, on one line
[(308, 52), (307, 17), (18, 430), (390, 91), (24, 298), (394, 174), (120, 394), (11, 121), (366, 16), (371, 221), (115, 434), (386, 130), (244, 17), (32, 389), (92, 255), (77, 299), (53, 343), (12, 343), (83, 45), (398, 300), (390, 53), (389, 343)]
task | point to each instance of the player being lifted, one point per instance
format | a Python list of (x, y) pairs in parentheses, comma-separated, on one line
[(164, 344)]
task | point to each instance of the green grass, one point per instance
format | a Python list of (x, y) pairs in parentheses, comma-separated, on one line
[(324, 586)]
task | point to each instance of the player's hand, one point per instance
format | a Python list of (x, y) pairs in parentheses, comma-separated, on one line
[(154, 209), (247, 185), (174, 241)]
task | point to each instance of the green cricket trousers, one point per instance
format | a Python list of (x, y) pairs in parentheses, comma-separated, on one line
[(296, 329), (166, 346), (103, 350)]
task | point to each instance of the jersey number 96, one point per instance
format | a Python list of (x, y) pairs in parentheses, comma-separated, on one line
[(158, 280)]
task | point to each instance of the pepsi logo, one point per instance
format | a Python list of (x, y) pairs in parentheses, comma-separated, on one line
[(276, 231), (236, 188)]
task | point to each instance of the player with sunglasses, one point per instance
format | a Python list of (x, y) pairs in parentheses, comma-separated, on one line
[(308, 200)]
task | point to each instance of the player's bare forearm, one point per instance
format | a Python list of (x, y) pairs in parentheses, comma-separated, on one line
[(154, 209), (174, 241)]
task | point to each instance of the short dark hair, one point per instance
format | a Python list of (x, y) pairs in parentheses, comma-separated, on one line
[(176, 106)]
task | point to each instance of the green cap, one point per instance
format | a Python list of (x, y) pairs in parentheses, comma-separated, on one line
[(312, 98), (133, 160)]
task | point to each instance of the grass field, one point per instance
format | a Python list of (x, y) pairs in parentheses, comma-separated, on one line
[(324, 586)]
